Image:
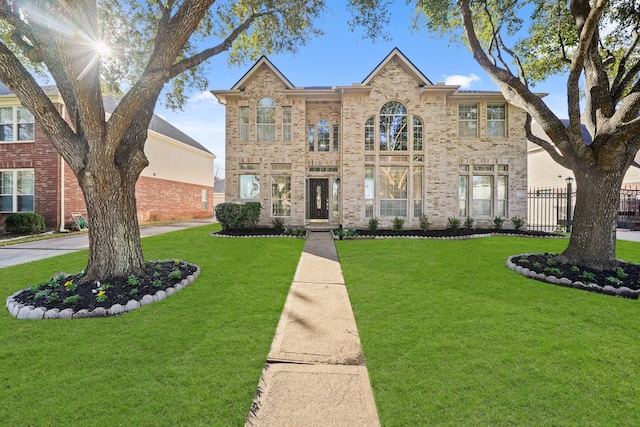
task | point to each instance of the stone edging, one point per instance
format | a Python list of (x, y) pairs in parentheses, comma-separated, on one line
[(622, 291), (466, 237), (272, 236), (31, 312)]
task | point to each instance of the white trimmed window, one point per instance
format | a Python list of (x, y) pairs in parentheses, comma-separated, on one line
[(281, 195), (417, 134), (266, 120), (16, 190), (249, 188), (468, 120), (393, 127), (393, 191), (417, 191), (286, 124), (369, 134), (323, 135), (496, 120), (336, 138), (483, 191), (16, 124), (244, 124), (369, 191)]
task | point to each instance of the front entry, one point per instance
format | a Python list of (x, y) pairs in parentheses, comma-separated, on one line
[(318, 198)]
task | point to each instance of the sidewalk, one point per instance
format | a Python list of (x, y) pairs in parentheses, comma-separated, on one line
[(315, 373)]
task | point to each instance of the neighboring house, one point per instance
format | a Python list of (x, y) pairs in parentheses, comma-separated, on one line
[(177, 184), (218, 193), (395, 145), (544, 172)]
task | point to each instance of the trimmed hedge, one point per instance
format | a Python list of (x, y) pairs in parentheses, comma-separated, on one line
[(234, 216), (24, 223)]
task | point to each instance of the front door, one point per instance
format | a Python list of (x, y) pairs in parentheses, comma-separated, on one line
[(318, 199)]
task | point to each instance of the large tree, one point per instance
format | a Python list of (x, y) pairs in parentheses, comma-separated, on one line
[(595, 43), (131, 48)]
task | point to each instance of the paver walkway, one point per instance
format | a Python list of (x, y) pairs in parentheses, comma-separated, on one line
[(315, 373)]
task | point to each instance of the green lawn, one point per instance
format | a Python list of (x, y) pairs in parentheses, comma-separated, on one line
[(192, 359), (452, 337)]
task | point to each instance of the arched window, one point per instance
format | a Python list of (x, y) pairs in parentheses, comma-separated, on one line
[(393, 127), (323, 135), (369, 134), (266, 120), (417, 134)]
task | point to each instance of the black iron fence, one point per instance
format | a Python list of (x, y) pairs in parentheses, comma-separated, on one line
[(551, 209)]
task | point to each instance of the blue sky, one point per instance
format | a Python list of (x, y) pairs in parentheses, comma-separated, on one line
[(339, 58)]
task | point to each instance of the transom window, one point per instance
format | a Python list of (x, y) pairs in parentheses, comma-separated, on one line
[(393, 127), (16, 190), (266, 120), (16, 124)]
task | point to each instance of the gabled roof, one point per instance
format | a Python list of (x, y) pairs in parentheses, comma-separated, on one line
[(408, 65), (262, 61)]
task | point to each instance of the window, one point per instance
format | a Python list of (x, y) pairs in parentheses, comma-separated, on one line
[(281, 195), (244, 124), (468, 120), (369, 134), (463, 196), (286, 124), (417, 134), (323, 135), (16, 124), (249, 188), (336, 189), (205, 199), (16, 191), (369, 191), (393, 191), (393, 127), (496, 120), (502, 196), (417, 191), (336, 138), (312, 132), (482, 195), (266, 120)]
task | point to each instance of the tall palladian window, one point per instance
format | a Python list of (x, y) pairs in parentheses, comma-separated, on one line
[(393, 127), (266, 120), (323, 135)]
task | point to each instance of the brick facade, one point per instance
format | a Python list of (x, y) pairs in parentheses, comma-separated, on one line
[(426, 179)]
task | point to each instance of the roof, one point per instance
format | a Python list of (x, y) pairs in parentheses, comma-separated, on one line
[(218, 186), (408, 65), (157, 124), (260, 62)]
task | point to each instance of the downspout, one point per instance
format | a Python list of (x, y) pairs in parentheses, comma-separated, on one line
[(62, 229)]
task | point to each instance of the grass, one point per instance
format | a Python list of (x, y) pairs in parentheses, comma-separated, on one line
[(452, 337), (192, 359)]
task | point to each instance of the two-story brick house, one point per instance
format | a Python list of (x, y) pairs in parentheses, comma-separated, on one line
[(178, 183), (395, 145)]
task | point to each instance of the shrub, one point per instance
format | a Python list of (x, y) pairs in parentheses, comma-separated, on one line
[(233, 216), (454, 223), (497, 222), (24, 223), (278, 224), (424, 222), (373, 224), (468, 223), (398, 223), (517, 222)]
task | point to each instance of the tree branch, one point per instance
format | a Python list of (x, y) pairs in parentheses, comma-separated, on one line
[(543, 143)]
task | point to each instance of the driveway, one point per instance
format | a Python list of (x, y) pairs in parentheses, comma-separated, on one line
[(26, 252)]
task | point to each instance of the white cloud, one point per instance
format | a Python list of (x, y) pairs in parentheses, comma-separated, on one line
[(463, 81), (204, 96)]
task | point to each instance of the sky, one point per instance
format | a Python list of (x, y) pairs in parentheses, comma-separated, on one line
[(339, 58)]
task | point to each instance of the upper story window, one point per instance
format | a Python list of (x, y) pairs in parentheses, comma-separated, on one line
[(369, 134), (393, 127), (312, 137), (16, 124), (336, 138), (323, 135), (417, 134), (468, 120), (496, 120), (244, 124), (266, 120), (286, 124)]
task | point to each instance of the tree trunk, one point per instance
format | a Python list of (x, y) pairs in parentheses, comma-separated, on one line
[(114, 233), (593, 238)]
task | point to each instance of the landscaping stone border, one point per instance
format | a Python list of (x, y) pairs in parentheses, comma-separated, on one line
[(31, 312), (257, 236), (464, 237), (622, 291)]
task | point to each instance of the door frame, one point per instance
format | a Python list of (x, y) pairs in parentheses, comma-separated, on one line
[(321, 213)]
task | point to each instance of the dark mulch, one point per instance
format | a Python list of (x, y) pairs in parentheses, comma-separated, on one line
[(247, 232), (627, 275), (450, 233), (159, 275)]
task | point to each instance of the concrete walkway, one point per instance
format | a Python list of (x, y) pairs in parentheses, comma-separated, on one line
[(315, 373)]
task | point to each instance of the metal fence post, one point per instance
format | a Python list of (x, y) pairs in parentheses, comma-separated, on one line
[(569, 207)]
